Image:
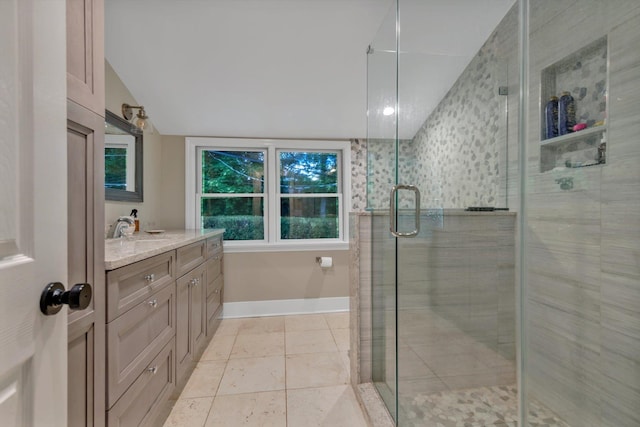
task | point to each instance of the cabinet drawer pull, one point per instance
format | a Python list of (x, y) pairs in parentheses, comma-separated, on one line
[(150, 277), (153, 370), (217, 291), (216, 258), (153, 303)]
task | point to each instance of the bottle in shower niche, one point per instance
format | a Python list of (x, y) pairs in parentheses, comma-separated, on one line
[(551, 118), (566, 114)]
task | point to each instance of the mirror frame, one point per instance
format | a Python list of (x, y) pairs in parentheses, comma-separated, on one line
[(114, 194)]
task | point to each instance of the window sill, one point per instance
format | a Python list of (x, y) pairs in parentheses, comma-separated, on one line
[(231, 247)]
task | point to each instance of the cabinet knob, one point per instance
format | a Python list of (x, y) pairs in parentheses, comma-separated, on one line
[(150, 277), (54, 296), (217, 291), (153, 303), (152, 370)]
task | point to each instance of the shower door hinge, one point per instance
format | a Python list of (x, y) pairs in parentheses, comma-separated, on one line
[(369, 50), (503, 90)]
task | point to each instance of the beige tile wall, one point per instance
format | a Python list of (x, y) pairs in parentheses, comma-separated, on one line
[(583, 273), (461, 272)]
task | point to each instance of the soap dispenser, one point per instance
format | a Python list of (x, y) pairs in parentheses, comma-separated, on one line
[(134, 215)]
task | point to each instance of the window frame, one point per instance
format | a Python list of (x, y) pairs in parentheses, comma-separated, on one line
[(200, 196), (271, 195), (338, 194), (129, 144)]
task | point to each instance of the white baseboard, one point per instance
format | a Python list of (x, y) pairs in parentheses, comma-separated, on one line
[(283, 307)]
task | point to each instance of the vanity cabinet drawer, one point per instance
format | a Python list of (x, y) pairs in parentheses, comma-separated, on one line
[(135, 338), (214, 269), (191, 256), (130, 285), (214, 246), (149, 393)]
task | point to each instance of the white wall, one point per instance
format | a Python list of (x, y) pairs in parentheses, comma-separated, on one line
[(248, 276)]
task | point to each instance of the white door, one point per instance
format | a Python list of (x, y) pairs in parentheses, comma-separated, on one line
[(33, 227)]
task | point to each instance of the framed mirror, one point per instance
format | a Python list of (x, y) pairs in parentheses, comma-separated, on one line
[(122, 160)]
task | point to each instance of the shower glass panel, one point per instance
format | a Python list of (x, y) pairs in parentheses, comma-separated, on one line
[(581, 299), (381, 176), (444, 298)]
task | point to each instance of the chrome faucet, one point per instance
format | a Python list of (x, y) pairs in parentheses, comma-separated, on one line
[(116, 229)]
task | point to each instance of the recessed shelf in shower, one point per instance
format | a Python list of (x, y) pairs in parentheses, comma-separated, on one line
[(584, 74)]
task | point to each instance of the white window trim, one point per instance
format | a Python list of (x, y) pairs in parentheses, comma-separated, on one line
[(129, 144), (273, 243)]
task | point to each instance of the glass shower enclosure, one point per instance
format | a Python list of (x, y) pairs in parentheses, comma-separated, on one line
[(505, 260), (438, 144)]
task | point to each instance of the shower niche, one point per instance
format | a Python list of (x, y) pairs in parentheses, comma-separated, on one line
[(584, 74)]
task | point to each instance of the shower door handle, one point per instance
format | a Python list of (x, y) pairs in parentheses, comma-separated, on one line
[(392, 210)]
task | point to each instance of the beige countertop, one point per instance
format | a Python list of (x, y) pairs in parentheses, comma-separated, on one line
[(142, 245)]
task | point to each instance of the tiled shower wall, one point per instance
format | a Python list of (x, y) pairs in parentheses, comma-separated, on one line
[(461, 148), (583, 284), (582, 304), (465, 153)]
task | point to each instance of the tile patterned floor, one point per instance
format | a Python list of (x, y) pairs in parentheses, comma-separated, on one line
[(289, 371), (479, 407)]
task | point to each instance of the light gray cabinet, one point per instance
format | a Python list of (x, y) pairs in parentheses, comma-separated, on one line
[(141, 330), (191, 319), (149, 394), (85, 200), (130, 285), (215, 284), (161, 313), (85, 54), (136, 337), (191, 256), (85, 254)]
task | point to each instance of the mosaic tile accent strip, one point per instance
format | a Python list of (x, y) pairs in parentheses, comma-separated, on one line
[(358, 175), (479, 407)]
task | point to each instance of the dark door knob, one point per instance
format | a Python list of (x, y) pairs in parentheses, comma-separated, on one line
[(54, 296)]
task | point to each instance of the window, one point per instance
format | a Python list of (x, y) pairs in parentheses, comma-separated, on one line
[(232, 192), (119, 164), (309, 205), (269, 194)]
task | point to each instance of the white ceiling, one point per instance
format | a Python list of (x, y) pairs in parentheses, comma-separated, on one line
[(285, 68)]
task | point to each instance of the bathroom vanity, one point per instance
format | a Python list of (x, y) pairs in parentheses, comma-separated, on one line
[(164, 300)]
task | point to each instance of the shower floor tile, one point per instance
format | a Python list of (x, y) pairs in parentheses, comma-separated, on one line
[(478, 407)]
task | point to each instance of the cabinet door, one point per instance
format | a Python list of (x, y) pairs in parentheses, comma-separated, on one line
[(214, 292), (85, 53), (190, 319), (198, 315), (86, 328)]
